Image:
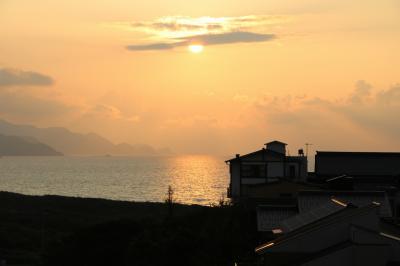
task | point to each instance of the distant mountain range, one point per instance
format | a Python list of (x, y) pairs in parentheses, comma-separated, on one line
[(71, 143), (20, 146)]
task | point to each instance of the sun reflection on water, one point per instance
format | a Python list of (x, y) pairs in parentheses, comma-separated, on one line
[(195, 179), (198, 178)]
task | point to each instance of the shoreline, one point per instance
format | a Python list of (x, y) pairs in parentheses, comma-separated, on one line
[(92, 198), (116, 200)]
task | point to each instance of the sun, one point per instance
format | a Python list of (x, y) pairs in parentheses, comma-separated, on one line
[(196, 48)]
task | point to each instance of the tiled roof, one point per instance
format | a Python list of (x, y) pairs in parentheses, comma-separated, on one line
[(349, 211), (309, 200), (271, 217), (304, 218)]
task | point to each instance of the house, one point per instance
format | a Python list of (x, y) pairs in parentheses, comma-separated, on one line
[(334, 234), (263, 167), (343, 214)]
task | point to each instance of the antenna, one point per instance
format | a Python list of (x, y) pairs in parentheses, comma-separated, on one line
[(307, 145)]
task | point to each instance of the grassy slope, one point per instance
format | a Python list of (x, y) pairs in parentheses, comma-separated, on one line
[(54, 230)]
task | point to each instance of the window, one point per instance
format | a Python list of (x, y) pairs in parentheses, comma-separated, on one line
[(253, 170), (292, 171)]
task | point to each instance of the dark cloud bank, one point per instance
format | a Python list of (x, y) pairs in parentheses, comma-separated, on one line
[(15, 77), (207, 39)]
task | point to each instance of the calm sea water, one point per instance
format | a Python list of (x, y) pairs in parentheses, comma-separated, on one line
[(195, 179)]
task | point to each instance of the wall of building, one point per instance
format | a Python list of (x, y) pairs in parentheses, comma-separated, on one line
[(283, 189), (277, 147), (376, 255), (342, 257), (356, 165), (300, 166), (275, 169), (234, 169)]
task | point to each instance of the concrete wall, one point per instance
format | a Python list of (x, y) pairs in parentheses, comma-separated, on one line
[(234, 169)]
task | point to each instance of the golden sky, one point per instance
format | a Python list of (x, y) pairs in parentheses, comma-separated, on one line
[(319, 71)]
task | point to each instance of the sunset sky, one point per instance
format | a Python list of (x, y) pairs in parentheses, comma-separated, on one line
[(218, 77)]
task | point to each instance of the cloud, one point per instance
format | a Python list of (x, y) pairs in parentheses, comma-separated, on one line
[(230, 37), (363, 116), (375, 112), (167, 33), (20, 100), (15, 77), (207, 39), (149, 47), (184, 26), (362, 92), (28, 105)]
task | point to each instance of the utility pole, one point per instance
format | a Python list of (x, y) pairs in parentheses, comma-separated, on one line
[(307, 145)]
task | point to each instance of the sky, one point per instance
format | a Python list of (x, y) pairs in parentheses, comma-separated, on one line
[(206, 77)]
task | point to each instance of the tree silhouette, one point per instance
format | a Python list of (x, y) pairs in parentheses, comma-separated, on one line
[(170, 200)]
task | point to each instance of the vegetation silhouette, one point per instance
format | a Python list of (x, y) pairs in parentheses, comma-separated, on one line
[(170, 200), (78, 231)]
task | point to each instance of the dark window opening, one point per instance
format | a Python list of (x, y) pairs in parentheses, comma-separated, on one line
[(253, 171), (292, 171)]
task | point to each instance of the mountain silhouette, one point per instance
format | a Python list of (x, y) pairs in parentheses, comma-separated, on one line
[(24, 146), (71, 143)]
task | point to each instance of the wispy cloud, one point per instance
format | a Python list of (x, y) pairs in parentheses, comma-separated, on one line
[(106, 111), (15, 77), (182, 26), (169, 32)]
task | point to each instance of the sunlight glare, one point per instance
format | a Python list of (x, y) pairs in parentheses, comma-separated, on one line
[(196, 48)]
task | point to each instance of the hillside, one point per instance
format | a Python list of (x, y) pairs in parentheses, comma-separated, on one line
[(20, 146)]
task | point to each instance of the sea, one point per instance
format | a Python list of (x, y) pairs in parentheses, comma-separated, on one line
[(195, 179)]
